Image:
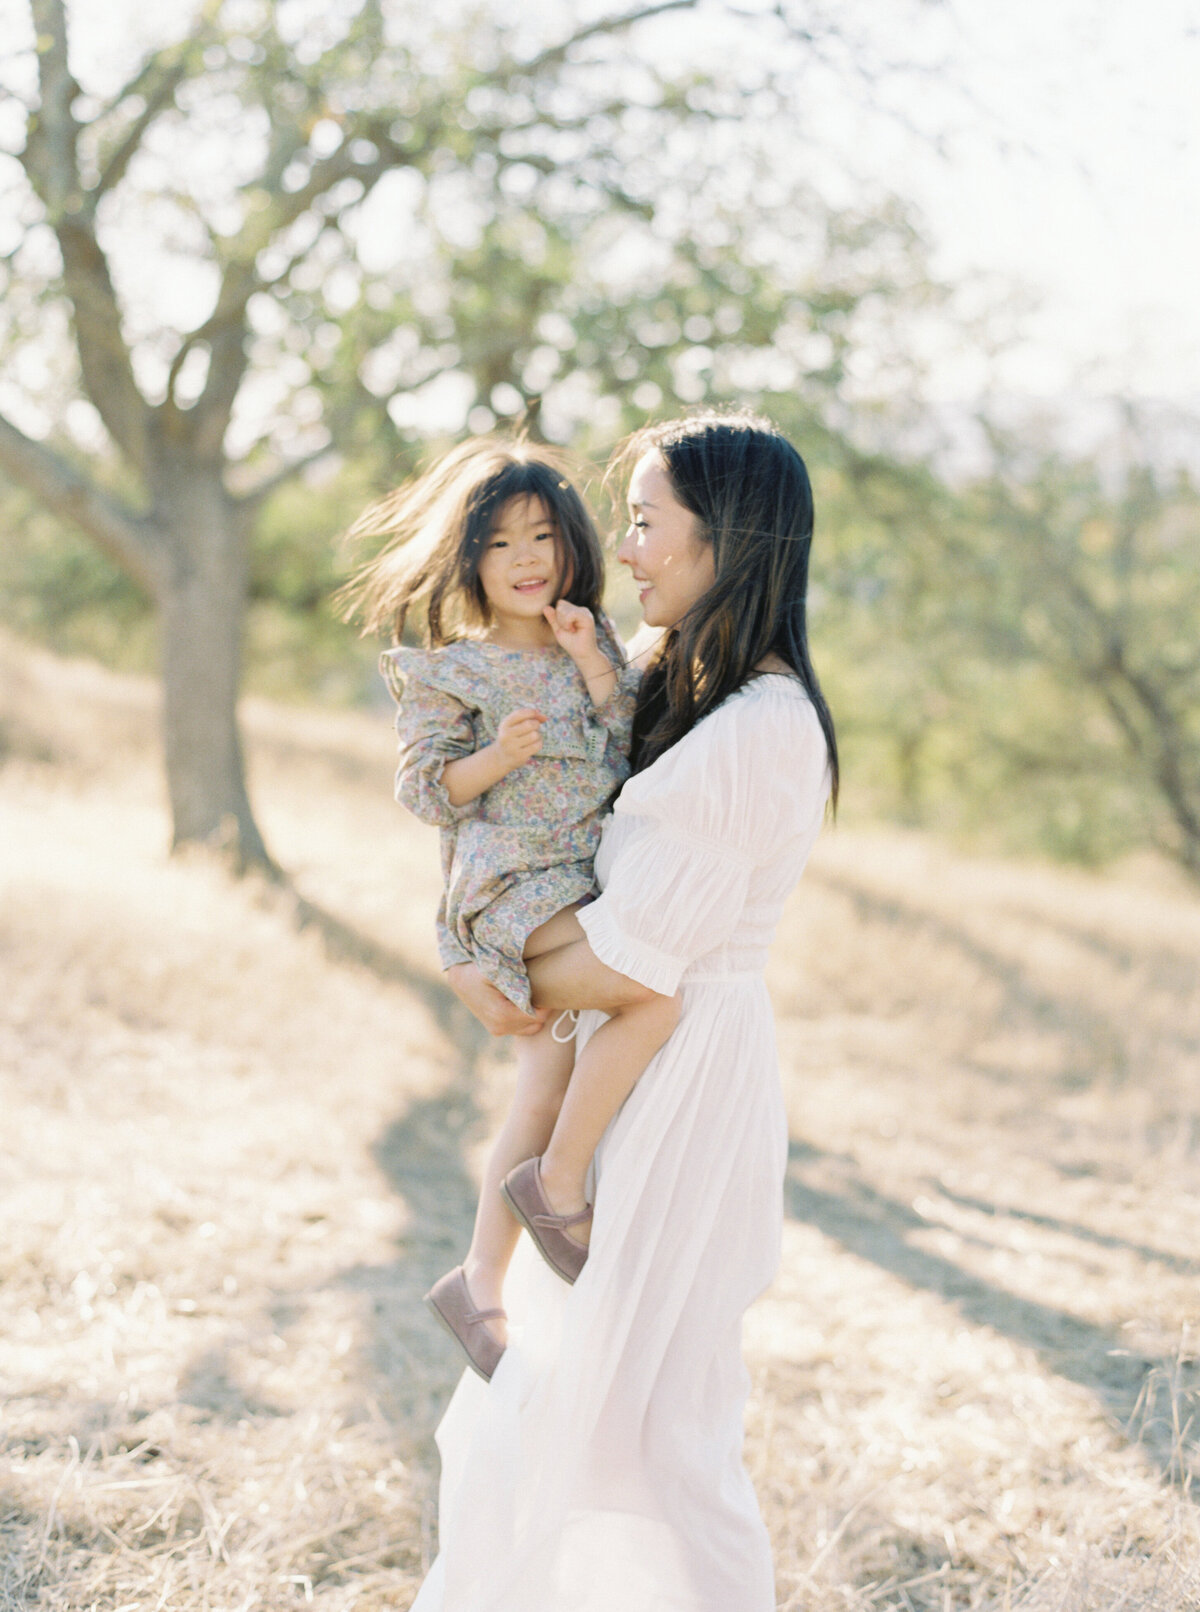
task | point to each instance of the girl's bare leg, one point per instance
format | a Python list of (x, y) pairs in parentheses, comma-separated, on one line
[(543, 1070), (562, 1106), (605, 1073)]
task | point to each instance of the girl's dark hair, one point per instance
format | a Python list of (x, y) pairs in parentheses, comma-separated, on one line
[(439, 525), (750, 493)]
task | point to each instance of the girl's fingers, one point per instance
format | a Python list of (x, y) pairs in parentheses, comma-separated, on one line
[(521, 722), (567, 617)]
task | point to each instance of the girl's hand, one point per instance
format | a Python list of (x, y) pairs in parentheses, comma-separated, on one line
[(519, 736), (574, 627), (491, 1007)]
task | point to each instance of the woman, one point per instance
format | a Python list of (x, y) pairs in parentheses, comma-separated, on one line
[(601, 1469)]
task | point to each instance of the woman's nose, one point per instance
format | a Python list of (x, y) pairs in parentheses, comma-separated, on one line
[(625, 548)]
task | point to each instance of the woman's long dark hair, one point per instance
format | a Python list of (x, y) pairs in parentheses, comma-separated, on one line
[(750, 493), (439, 525)]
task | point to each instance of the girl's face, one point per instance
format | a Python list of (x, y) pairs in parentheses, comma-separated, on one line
[(519, 569), (671, 564)]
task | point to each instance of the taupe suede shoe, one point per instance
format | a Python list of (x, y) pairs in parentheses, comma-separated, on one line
[(523, 1193), (450, 1300)]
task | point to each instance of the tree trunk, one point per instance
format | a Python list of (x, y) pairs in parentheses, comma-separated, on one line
[(203, 604)]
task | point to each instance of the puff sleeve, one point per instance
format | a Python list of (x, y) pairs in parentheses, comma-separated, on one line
[(435, 725), (749, 780)]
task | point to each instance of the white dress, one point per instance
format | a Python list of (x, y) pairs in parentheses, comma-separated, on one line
[(601, 1469)]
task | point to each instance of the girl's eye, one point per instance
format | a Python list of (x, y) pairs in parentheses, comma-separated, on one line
[(498, 543), (544, 537)]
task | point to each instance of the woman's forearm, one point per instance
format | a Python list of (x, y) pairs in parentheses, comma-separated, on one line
[(574, 977)]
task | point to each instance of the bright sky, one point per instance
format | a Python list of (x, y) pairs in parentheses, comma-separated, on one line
[(1097, 203), (1074, 166), (1073, 169)]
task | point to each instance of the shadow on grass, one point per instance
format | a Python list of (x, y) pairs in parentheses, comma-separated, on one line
[(423, 1154), (345, 943), (880, 1229), (1070, 1228), (1097, 1038)]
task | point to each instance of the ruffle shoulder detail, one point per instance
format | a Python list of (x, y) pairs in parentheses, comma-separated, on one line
[(456, 669)]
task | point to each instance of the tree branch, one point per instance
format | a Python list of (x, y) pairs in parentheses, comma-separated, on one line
[(162, 96), (254, 496), (228, 358), (554, 54), (225, 329), (51, 160), (132, 541)]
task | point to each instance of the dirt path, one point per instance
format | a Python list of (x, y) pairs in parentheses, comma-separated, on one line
[(236, 1149)]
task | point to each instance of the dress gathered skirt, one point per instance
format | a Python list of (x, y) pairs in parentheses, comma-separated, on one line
[(601, 1469)]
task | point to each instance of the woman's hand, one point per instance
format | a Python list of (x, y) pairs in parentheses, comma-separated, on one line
[(491, 1007)]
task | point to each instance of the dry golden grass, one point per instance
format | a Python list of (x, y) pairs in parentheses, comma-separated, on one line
[(240, 1130)]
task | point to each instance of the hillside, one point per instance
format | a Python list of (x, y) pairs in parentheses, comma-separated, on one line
[(241, 1124)]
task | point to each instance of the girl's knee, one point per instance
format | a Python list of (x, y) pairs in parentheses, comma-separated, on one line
[(663, 1011)]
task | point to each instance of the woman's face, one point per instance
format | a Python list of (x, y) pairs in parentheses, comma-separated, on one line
[(671, 564)]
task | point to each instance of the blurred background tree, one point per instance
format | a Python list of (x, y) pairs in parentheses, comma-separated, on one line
[(301, 244), (373, 217)]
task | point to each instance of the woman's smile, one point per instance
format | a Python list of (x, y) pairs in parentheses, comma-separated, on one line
[(671, 564)]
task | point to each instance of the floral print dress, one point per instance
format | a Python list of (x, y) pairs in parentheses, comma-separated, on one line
[(523, 850)]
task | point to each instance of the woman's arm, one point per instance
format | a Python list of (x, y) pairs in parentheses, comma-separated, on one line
[(491, 1007), (571, 976)]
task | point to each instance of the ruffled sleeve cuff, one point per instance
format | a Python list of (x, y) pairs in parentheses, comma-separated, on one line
[(634, 958), (420, 788)]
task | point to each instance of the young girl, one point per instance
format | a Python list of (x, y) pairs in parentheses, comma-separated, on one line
[(515, 727)]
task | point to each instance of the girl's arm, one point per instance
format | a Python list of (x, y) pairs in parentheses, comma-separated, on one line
[(518, 738), (574, 627)]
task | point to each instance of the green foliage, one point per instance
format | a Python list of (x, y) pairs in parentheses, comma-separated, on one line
[(59, 589), (296, 646), (1015, 660)]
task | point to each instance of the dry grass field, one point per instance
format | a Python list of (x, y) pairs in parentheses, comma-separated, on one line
[(241, 1123)]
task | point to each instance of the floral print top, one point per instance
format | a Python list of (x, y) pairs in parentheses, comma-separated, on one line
[(522, 850)]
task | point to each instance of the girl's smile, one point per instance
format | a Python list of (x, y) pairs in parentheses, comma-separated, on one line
[(519, 572)]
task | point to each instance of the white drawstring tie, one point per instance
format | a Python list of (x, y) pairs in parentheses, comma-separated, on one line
[(562, 1040)]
